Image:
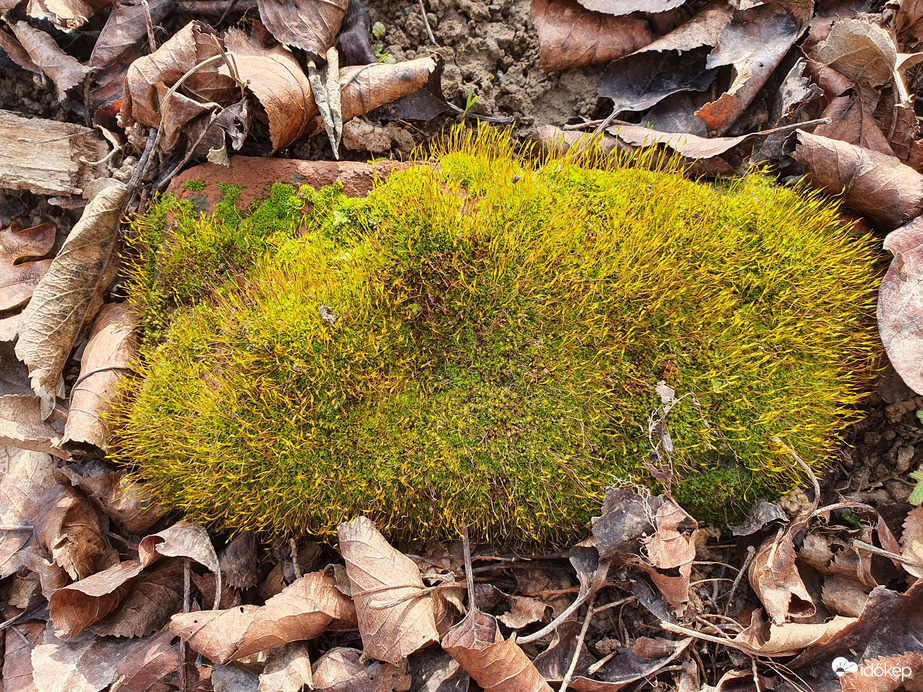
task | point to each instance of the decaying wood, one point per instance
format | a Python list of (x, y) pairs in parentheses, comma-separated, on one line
[(44, 156)]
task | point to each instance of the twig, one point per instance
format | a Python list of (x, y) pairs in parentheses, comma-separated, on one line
[(469, 572), (496, 120), (429, 32), (803, 465), (568, 676), (909, 561), (751, 553), (293, 553), (756, 677)]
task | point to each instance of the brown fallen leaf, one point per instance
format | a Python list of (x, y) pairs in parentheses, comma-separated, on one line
[(899, 303), (180, 540), (156, 595), (64, 298), (21, 266), (307, 24), (394, 609), (232, 679), (37, 467), (238, 561), (525, 611), (898, 122), (273, 75), (908, 23), (65, 14), (66, 72), (191, 45), (288, 669), (887, 191), (21, 426), (18, 508), (17, 656), (111, 347), (619, 7), (644, 658), (15, 52), (571, 36), (668, 553), (433, 670), (68, 529), (776, 582), (671, 64), (844, 596), (304, 610), (852, 119), (912, 541), (753, 44), (124, 501), (554, 662), (768, 639), (860, 50), (496, 664), (366, 87), (159, 662), (76, 606), (344, 670)]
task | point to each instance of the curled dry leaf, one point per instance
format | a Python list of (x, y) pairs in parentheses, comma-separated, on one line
[(753, 44), (191, 45), (344, 670), (900, 303), (669, 65), (669, 552), (68, 529), (180, 540), (21, 426), (288, 669), (238, 561), (65, 296), (395, 611), (65, 71), (880, 186), (275, 78), (496, 664), (20, 263), (124, 501), (571, 36), (65, 14), (860, 50), (147, 608), (366, 87), (311, 25), (767, 639), (852, 119), (112, 345), (436, 671), (76, 606), (776, 581), (525, 611), (304, 610)]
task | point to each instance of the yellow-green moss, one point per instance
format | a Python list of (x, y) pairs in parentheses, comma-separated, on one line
[(500, 328)]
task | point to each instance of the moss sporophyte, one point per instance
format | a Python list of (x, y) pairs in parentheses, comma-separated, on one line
[(480, 342)]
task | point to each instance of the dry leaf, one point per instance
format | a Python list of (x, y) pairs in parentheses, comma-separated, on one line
[(888, 674), (180, 540), (238, 561), (62, 69), (288, 669), (159, 662), (68, 529), (789, 638), (38, 467), (304, 610), (433, 670), (21, 426), (112, 345), (75, 607), (852, 119), (64, 297), (899, 303), (124, 501), (669, 552), (671, 64), (619, 7), (273, 75), (844, 596), (753, 44), (912, 541), (232, 679), (65, 14), (155, 597), (496, 664), (366, 87), (20, 266), (344, 670), (554, 662), (18, 508), (571, 36), (394, 609), (15, 52), (879, 186), (21, 639), (191, 45), (860, 50), (311, 25), (524, 612), (776, 582), (644, 658)]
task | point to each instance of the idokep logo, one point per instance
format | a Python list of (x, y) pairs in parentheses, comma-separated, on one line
[(841, 666)]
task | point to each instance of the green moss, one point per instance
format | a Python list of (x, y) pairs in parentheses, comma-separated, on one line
[(500, 328), (194, 185)]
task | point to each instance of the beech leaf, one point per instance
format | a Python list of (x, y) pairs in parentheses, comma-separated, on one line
[(311, 25), (68, 529), (180, 540), (20, 266)]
